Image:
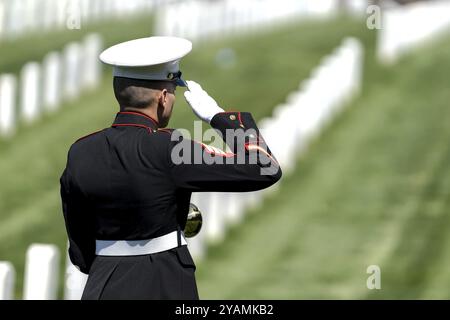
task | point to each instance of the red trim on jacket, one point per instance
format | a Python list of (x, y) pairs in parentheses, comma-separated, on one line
[(132, 125), (166, 130), (240, 120), (140, 114), (253, 147), (88, 135), (215, 151)]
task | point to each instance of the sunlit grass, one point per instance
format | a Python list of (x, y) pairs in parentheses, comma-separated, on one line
[(372, 190)]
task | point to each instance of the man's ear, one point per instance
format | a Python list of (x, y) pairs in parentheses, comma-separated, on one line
[(163, 97)]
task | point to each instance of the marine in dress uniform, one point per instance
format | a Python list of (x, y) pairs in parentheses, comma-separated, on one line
[(125, 200)]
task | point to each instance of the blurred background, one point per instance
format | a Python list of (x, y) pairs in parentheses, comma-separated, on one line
[(353, 97)]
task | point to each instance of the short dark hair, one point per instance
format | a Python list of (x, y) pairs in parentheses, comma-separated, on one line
[(136, 93)]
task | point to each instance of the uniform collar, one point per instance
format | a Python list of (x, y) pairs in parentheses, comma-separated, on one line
[(135, 119)]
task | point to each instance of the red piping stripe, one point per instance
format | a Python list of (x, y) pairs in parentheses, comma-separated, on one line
[(249, 147), (222, 154), (88, 135), (132, 125), (240, 120), (165, 130), (140, 114)]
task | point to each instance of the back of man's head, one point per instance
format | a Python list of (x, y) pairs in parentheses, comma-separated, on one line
[(136, 93)]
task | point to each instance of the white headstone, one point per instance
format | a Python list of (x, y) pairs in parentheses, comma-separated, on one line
[(333, 80), (8, 85), (30, 91), (2, 18), (321, 91), (96, 10), (305, 128), (72, 63), (90, 76), (73, 15), (389, 36), (357, 7), (311, 108), (214, 226), (7, 277), (191, 21), (75, 281), (60, 13), (107, 8), (30, 15), (49, 14), (273, 135), (52, 81), (41, 272), (14, 22), (85, 10), (357, 62), (160, 25), (235, 206)]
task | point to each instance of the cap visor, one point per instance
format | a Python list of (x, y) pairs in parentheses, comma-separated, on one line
[(181, 83)]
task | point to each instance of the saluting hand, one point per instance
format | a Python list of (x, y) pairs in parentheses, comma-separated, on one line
[(201, 103)]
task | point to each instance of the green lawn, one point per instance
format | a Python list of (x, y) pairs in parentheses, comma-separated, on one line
[(374, 189), (33, 47), (33, 160)]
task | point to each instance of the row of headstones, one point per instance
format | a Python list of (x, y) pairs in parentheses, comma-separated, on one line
[(306, 112), (198, 19), (41, 279), (21, 16), (287, 132), (42, 87), (407, 27)]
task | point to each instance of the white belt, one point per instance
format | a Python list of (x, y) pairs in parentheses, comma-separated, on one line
[(138, 247)]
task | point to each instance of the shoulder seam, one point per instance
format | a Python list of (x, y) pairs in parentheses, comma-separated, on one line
[(165, 130), (88, 135)]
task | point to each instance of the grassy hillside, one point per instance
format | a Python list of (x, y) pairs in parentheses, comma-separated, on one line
[(33, 47), (373, 190), (266, 68)]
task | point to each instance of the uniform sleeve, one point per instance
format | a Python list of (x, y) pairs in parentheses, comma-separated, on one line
[(79, 226), (250, 165)]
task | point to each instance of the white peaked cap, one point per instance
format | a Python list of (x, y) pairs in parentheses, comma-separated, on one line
[(152, 58)]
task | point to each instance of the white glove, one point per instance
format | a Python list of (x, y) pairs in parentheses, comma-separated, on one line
[(201, 103)]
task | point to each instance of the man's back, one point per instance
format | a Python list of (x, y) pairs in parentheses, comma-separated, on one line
[(116, 187), (121, 174), (121, 188)]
